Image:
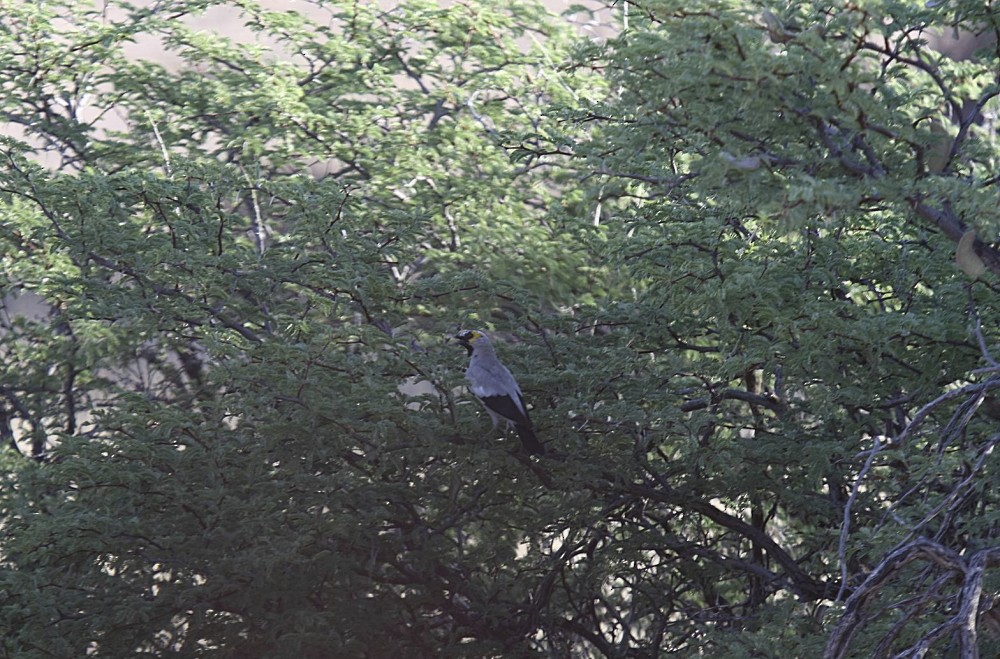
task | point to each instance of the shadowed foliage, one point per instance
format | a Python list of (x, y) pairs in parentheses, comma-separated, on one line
[(741, 257)]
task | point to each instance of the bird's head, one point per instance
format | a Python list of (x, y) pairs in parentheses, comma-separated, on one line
[(471, 338)]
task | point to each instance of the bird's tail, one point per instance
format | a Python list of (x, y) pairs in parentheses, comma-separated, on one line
[(529, 440)]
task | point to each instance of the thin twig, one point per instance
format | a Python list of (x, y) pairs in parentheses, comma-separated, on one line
[(977, 329), (259, 230), (845, 526), (159, 140)]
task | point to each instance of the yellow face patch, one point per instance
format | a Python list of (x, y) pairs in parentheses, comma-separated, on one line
[(469, 336)]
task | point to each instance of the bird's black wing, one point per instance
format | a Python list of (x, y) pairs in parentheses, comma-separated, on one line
[(505, 407)]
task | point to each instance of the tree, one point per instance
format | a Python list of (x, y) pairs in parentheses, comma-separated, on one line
[(793, 181), (718, 249)]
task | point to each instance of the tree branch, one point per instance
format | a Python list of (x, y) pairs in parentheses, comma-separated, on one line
[(953, 227)]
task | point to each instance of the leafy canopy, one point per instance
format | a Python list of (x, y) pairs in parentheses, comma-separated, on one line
[(741, 256)]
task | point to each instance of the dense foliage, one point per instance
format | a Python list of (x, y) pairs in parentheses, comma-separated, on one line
[(741, 255)]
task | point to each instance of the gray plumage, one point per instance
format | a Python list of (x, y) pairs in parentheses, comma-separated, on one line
[(496, 388)]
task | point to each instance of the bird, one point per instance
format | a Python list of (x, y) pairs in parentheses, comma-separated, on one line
[(496, 388)]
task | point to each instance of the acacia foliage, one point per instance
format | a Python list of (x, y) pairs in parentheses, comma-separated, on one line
[(718, 250)]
